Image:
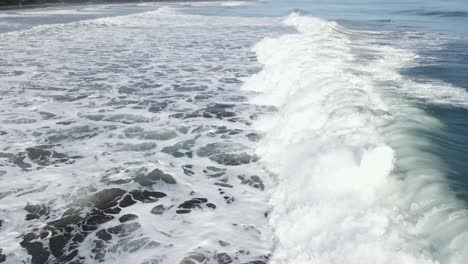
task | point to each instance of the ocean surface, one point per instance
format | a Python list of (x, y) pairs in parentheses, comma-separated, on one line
[(253, 132)]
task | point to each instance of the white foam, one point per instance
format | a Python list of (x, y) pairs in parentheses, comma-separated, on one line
[(354, 183), (235, 3), (49, 12), (154, 53)]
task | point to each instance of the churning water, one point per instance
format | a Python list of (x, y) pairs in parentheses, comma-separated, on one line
[(235, 132)]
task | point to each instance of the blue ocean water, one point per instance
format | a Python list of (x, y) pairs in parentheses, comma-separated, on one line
[(445, 16)]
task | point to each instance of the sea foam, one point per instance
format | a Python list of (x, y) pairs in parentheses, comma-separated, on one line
[(354, 185)]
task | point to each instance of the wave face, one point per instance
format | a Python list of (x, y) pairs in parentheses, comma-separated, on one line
[(357, 181)]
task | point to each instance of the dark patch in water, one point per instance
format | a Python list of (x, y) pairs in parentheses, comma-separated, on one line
[(445, 13), (64, 235), (42, 155), (422, 12)]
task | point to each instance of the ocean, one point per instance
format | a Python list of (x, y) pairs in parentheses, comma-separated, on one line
[(253, 132)]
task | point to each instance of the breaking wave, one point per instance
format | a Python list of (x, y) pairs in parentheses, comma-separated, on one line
[(357, 181)]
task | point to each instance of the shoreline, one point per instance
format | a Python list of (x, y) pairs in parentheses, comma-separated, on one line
[(91, 3)]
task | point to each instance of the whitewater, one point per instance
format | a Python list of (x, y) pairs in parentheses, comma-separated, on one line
[(150, 133), (353, 181)]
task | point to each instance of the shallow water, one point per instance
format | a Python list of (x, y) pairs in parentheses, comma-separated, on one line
[(235, 132)]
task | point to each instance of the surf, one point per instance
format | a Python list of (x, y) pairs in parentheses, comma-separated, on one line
[(354, 180)]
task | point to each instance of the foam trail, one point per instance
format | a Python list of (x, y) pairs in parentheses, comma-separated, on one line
[(354, 183), (78, 129)]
